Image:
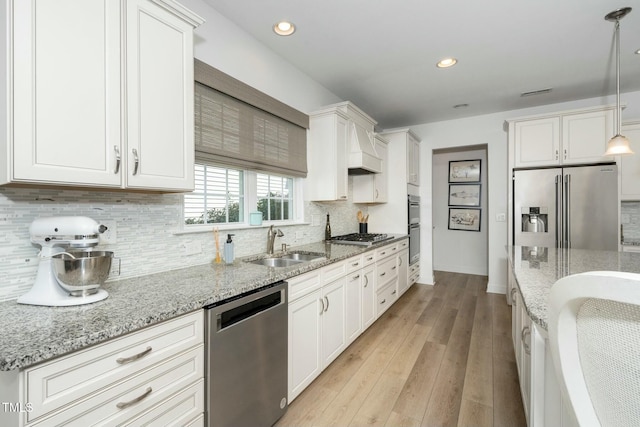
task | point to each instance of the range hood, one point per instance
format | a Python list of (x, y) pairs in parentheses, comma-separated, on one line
[(363, 158)]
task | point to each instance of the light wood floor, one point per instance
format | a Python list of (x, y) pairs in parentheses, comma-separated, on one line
[(440, 356)]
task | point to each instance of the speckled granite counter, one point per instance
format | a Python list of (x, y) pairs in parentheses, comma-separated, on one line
[(536, 269), (32, 334)]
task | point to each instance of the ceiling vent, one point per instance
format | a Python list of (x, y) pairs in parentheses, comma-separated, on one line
[(535, 92)]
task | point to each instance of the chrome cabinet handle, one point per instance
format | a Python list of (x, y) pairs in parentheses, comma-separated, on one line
[(383, 273), (327, 299), (383, 301), (355, 264), (122, 405), (394, 292), (565, 154), (356, 277), (377, 193), (343, 197), (394, 267), (556, 154), (383, 253), (118, 158), (136, 161), (322, 310), (125, 360), (370, 258), (366, 283), (400, 260), (525, 331), (513, 295)]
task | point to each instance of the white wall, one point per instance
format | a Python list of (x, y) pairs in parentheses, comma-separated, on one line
[(488, 129), (456, 250)]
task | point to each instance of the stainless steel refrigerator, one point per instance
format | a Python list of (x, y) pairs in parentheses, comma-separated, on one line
[(571, 207)]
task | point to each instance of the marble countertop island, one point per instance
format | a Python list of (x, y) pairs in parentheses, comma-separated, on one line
[(31, 334), (536, 269)]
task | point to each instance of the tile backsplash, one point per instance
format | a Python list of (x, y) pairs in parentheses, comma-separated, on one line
[(148, 230), (630, 220)]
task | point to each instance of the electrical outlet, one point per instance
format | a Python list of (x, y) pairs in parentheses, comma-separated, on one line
[(115, 267), (501, 217), (191, 248), (109, 237)]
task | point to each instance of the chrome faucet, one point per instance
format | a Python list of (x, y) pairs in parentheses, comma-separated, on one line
[(271, 238)]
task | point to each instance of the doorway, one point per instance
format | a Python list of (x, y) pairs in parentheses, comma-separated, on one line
[(460, 226)]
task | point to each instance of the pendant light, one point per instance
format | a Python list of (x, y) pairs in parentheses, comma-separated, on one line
[(619, 144)]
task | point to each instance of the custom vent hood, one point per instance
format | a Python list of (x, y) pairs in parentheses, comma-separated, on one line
[(363, 158)]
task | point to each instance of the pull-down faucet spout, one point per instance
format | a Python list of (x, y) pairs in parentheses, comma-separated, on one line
[(271, 238)]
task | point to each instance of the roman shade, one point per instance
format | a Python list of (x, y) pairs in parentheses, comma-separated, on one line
[(238, 126)]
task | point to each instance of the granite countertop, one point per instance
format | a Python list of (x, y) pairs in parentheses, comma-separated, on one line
[(31, 334), (536, 269)]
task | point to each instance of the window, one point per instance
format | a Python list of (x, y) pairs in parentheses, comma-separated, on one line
[(218, 196), (226, 196), (275, 197)]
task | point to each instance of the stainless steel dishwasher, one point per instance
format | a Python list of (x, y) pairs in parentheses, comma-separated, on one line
[(247, 359)]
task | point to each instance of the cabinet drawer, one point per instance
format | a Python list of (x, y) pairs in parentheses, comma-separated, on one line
[(385, 297), (386, 270), (135, 395), (355, 263), (303, 284), (404, 244), (368, 258), (333, 271), (72, 378), (386, 251), (185, 408)]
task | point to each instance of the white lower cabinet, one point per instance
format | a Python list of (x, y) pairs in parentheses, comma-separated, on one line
[(539, 385), (330, 307), (153, 374)]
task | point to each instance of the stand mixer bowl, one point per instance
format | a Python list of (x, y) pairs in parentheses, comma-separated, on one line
[(84, 274)]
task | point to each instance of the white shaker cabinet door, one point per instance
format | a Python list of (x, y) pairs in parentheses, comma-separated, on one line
[(160, 141), (585, 136), (537, 142), (66, 92)]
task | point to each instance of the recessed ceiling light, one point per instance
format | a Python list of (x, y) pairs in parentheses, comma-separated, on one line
[(284, 28), (638, 52), (447, 62)]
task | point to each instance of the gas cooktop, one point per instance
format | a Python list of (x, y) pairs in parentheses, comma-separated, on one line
[(362, 239)]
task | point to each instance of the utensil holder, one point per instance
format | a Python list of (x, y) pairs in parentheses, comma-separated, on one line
[(363, 228)]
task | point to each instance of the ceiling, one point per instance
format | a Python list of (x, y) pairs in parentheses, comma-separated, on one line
[(381, 54)]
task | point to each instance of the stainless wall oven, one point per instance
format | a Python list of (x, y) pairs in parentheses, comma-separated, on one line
[(414, 228)]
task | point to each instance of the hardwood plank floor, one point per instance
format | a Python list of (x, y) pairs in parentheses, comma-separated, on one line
[(440, 356)]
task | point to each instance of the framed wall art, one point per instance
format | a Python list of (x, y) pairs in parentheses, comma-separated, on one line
[(466, 219), (464, 195), (464, 170)]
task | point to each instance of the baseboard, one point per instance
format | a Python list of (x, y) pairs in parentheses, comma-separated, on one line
[(496, 289), (463, 269)]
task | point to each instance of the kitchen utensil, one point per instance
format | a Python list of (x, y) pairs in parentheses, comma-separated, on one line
[(366, 219), (360, 216), (216, 236), (79, 279), (81, 273)]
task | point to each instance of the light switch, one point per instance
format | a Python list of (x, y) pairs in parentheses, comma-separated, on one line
[(501, 217)]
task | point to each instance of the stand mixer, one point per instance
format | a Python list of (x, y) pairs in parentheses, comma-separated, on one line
[(55, 235)]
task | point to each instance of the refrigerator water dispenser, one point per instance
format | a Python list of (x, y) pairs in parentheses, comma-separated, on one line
[(534, 219)]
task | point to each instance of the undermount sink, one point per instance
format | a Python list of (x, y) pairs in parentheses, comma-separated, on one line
[(276, 262), (303, 257), (288, 259)]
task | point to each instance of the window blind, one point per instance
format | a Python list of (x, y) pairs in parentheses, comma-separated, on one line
[(232, 132)]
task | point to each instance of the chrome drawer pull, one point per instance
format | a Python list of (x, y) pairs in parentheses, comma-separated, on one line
[(322, 310), (122, 405), (525, 331), (394, 292), (383, 273), (383, 301), (383, 253), (370, 258), (393, 268), (327, 303), (355, 264), (357, 276), (366, 278), (125, 360), (513, 293)]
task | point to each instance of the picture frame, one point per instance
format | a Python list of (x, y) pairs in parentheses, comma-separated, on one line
[(464, 194), (464, 219), (465, 170)]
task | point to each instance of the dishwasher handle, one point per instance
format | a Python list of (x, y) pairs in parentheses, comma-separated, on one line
[(245, 307)]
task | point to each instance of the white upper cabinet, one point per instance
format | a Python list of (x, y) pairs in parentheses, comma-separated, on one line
[(630, 165), (327, 177), (562, 139), (71, 87), (413, 160)]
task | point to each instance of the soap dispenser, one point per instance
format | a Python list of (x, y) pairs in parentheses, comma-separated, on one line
[(228, 250)]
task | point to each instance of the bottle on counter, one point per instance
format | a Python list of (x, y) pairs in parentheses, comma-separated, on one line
[(327, 230), (228, 250)]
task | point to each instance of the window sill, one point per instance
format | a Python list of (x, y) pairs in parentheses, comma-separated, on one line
[(226, 227)]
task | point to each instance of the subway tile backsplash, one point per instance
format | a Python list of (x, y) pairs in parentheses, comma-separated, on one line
[(146, 231), (630, 220)]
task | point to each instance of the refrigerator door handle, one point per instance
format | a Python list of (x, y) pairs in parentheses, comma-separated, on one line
[(567, 210), (558, 201)]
